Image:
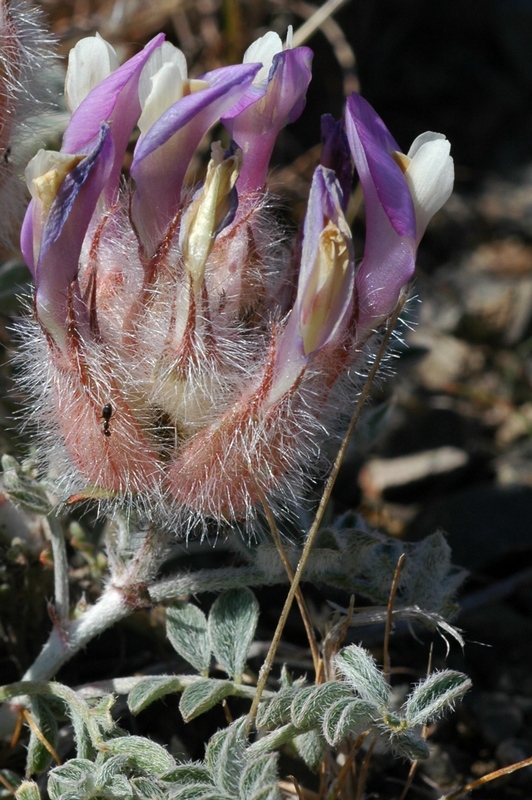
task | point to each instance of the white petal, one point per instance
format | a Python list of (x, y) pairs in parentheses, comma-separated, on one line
[(167, 54), (424, 138), (288, 45), (430, 176), (89, 63), (43, 162), (44, 175), (262, 52), (166, 89)]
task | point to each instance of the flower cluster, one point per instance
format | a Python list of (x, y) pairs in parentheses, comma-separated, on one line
[(185, 357)]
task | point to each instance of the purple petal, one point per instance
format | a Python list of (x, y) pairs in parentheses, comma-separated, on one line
[(231, 200), (65, 229), (324, 207), (256, 129), (388, 264), (372, 146), (116, 102), (390, 248), (336, 155), (162, 156), (325, 203)]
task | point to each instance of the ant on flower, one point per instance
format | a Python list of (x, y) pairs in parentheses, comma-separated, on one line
[(107, 413)]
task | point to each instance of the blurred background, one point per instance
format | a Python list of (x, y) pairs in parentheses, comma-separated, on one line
[(453, 449)]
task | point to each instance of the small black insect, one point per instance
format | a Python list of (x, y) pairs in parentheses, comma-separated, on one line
[(107, 413), (7, 153)]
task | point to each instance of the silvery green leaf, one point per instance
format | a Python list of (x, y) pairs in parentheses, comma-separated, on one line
[(409, 744), (345, 719), (361, 672), (258, 776), (186, 627), (276, 711), (28, 790), (107, 768), (147, 789), (188, 781), (429, 579), (203, 695), (196, 792), (141, 754), (86, 731), (434, 696), (23, 491), (119, 788), (76, 775), (194, 772), (38, 756), (224, 757), (287, 680), (148, 690), (273, 740), (232, 623), (311, 747), (310, 704), (101, 713)]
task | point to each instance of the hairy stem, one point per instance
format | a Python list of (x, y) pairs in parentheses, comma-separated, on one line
[(56, 535)]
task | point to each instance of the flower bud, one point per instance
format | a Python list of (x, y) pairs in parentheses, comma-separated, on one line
[(401, 194)]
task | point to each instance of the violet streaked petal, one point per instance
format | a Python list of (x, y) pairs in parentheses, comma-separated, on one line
[(372, 148), (326, 281), (44, 175), (324, 300), (64, 231), (335, 154), (163, 155), (255, 130), (390, 248), (116, 102)]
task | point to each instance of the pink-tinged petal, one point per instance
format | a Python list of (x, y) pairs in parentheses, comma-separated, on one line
[(255, 130), (64, 231), (162, 156), (372, 147), (390, 248), (324, 300), (388, 264), (116, 102)]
